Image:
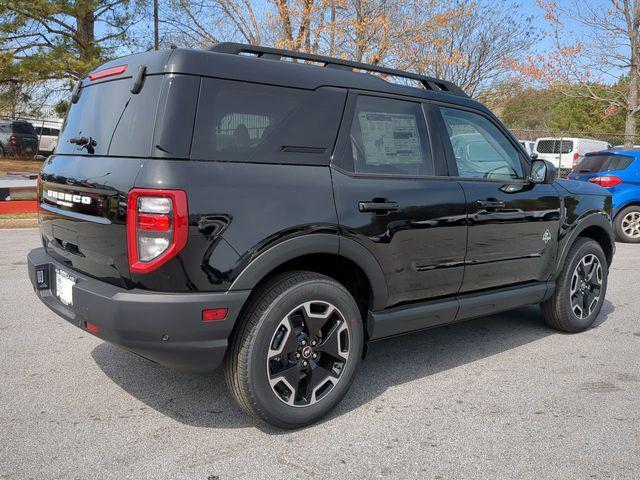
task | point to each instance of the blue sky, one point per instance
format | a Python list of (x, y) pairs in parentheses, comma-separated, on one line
[(572, 27)]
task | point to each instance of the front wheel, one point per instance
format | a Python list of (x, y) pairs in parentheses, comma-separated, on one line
[(580, 288), (295, 355)]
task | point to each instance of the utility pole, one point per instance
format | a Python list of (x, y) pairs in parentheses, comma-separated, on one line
[(156, 41)]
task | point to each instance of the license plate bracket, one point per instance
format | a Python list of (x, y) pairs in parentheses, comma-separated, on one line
[(64, 287)]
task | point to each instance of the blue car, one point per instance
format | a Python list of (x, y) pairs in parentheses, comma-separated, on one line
[(619, 172)]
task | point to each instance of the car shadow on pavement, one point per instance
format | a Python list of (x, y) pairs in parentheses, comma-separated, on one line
[(202, 400)]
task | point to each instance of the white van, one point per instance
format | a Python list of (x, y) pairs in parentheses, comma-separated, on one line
[(528, 145), (565, 153), (48, 132)]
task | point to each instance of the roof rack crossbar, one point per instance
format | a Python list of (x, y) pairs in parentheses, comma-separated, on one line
[(428, 83)]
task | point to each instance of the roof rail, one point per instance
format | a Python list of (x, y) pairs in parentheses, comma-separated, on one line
[(428, 83)]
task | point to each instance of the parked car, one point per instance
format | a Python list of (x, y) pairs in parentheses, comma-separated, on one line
[(48, 133), (528, 145), (566, 153), (17, 138), (619, 172), (195, 213)]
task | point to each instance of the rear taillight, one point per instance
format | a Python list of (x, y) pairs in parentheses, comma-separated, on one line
[(13, 140), (576, 159), (157, 227), (606, 181)]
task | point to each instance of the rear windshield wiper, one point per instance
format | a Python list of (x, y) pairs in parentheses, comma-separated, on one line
[(84, 142)]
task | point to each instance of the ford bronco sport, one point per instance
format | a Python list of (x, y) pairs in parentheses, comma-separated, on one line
[(274, 212)]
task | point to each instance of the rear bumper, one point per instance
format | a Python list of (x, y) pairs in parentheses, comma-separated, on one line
[(165, 328)]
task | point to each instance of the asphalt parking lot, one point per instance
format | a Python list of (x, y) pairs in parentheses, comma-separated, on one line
[(497, 397)]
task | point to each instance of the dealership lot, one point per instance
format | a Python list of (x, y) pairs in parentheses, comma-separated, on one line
[(497, 397)]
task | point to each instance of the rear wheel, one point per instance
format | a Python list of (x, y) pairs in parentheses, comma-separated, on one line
[(580, 288), (295, 355), (627, 225)]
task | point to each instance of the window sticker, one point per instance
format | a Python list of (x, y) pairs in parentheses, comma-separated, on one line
[(390, 138)]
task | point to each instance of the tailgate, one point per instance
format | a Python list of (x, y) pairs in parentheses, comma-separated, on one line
[(83, 213)]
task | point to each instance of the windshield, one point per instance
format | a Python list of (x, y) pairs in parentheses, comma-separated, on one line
[(601, 163)]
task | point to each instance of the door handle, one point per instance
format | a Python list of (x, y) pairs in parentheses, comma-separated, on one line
[(378, 207), (495, 204)]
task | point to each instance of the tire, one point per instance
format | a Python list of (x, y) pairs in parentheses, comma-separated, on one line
[(566, 310), (627, 225), (276, 338)]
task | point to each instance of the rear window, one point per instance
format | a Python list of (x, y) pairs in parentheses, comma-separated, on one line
[(239, 121), (601, 163), (23, 128), (554, 146), (120, 122)]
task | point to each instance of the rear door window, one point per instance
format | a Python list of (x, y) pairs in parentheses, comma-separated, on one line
[(601, 163), (389, 137)]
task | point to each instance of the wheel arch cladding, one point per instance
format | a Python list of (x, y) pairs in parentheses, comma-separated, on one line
[(601, 236), (343, 259), (595, 227)]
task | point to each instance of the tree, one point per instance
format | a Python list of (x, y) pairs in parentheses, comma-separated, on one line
[(609, 46), (470, 43), (53, 42), (465, 42)]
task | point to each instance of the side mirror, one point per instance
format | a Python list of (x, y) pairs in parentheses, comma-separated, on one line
[(543, 171)]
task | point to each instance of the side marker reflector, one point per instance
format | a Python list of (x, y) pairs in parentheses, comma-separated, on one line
[(92, 327), (214, 315)]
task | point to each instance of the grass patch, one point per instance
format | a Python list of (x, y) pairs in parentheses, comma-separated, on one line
[(17, 216), (18, 220), (19, 165)]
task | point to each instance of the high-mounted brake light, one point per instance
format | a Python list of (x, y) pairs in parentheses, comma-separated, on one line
[(157, 227), (108, 72), (606, 181)]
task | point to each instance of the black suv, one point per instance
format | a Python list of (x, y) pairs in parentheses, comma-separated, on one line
[(275, 212), (18, 138)]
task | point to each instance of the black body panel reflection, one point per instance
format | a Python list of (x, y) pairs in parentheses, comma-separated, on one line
[(513, 233), (421, 245)]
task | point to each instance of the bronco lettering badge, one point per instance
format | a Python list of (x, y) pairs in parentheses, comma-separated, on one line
[(68, 199)]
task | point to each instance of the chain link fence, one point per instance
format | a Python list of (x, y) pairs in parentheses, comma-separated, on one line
[(612, 138)]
